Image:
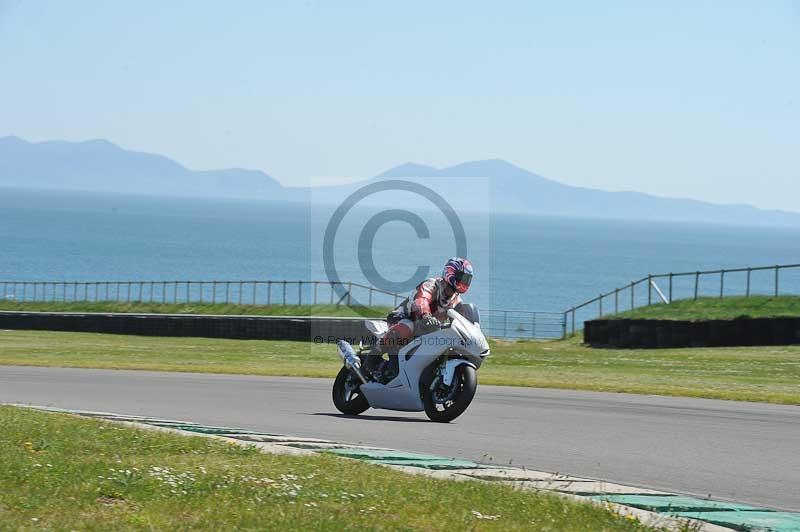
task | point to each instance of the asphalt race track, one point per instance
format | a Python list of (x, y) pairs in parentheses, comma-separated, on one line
[(743, 452)]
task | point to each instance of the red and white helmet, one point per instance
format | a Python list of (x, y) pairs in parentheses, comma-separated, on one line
[(458, 274)]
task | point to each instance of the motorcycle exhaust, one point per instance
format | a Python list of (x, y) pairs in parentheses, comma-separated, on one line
[(350, 359)]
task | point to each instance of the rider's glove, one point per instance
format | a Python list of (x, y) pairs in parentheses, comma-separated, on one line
[(429, 323)]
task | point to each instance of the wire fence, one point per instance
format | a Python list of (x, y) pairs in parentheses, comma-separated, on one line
[(523, 324), (497, 323), (267, 292), (782, 279)]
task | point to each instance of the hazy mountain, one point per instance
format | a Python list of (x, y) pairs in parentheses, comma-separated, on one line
[(98, 165)]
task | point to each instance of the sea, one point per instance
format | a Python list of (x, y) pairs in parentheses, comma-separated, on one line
[(522, 262)]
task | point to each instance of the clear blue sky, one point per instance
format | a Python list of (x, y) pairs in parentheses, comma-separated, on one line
[(695, 99)]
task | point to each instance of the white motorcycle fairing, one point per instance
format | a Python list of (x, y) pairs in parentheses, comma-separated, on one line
[(464, 338)]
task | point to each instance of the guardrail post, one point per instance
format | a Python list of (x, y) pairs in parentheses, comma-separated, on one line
[(777, 269), (696, 284), (749, 271), (649, 289), (722, 283)]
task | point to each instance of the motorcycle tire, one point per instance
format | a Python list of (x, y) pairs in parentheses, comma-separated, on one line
[(349, 402), (466, 378)]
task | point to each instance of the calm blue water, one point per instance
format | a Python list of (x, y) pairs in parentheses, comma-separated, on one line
[(522, 262)]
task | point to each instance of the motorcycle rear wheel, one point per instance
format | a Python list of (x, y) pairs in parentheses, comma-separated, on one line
[(466, 382), (347, 396)]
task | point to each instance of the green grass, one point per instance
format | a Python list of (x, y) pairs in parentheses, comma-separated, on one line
[(197, 308), (709, 308), (766, 374), (61, 472)]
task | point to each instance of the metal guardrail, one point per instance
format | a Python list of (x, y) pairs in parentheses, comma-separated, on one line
[(266, 292), (630, 300)]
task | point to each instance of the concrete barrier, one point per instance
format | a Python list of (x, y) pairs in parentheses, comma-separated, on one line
[(641, 333), (300, 328)]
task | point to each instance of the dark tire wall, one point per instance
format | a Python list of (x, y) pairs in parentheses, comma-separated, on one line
[(631, 333)]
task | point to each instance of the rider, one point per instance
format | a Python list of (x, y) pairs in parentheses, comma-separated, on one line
[(420, 314)]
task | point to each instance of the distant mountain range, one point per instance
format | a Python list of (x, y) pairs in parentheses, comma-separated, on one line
[(100, 166)]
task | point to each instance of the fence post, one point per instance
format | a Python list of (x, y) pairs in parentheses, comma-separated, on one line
[(722, 283), (564, 326), (85, 291), (601, 305), (633, 298), (284, 293), (749, 271), (349, 293), (269, 292), (163, 291), (315, 291), (505, 323), (696, 284), (299, 292), (255, 284), (64, 291), (129, 291), (227, 292), (331, 287), (649, 289), (670, 286), (370, 296), (573, 321), (214, 293), (188, 290), (616, 301), (533, 325), (202, 285), (777, 269)]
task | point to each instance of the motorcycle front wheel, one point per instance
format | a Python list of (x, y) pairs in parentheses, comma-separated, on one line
[(445, 403), (347, 396)]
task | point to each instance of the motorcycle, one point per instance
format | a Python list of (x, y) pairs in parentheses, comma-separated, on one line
[(437, 371)]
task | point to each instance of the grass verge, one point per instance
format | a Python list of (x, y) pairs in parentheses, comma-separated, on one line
[(197, 308), (712, 308), (66, 473), (765, 374)]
